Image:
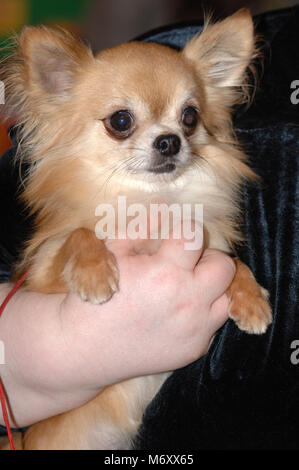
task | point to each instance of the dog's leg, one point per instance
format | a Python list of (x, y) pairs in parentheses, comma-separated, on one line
[(80, 263), (110, 421), (249, 306), (90, 268), (17, 439)]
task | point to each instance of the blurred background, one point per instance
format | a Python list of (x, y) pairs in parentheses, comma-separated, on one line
[(104, 23)]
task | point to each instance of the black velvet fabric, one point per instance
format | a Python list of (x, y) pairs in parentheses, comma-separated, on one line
[(15, 225), (244, 393)]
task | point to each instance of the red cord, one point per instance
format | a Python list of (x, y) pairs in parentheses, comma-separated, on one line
[(5, 416), (2, 392)]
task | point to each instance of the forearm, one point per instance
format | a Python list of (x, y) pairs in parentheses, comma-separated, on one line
[(38, 371), (60, 351)]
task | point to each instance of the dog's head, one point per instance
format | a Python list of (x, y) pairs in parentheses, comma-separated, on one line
[(137, 112)]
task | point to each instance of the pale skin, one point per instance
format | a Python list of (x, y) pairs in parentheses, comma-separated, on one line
[(60, 351)]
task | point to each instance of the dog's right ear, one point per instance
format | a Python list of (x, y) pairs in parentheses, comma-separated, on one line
[(43, 68), (51, 58)]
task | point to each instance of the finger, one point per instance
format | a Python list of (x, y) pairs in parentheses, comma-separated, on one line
[(219, 312), (214, 274), (218, 315), (121, 247), (177, 250)]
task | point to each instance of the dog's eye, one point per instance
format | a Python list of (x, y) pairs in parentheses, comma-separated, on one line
[(190, 119), (121, 123)]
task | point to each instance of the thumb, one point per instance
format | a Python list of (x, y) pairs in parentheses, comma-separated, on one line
[(214, 273), (219, 312), (176, 249)]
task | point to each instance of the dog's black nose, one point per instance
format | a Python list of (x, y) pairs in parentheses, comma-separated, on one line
[(168, 145)]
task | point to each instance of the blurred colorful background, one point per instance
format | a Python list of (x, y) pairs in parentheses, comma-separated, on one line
[(104, 23), (15, 13)]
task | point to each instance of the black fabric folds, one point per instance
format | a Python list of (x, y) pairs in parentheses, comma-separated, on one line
[(244, 393)]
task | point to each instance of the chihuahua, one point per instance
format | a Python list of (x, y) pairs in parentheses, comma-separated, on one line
[(141, 120)]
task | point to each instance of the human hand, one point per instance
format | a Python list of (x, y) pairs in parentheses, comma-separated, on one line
[(61, 351)]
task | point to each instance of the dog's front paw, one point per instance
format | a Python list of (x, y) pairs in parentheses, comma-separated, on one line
[(251, 310), (94, 279)]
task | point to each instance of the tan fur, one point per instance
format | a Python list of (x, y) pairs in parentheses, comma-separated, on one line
[(18, 442), (81, 264), (111, 419), (63, 96), (249, 302)]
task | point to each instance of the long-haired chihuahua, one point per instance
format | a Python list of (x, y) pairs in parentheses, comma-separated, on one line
[(141, 120)]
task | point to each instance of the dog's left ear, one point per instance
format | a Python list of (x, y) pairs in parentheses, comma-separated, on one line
[(223, 51)]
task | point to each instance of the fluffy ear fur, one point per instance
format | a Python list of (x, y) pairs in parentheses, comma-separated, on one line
[(42, 68), (224, 50), (221, 55), (51, 58)]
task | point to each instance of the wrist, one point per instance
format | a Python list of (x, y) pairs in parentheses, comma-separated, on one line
[(29, 331)]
